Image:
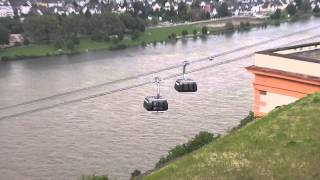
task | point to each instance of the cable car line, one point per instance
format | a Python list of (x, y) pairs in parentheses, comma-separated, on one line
[(154, 72), (120, 89), (136, 85)]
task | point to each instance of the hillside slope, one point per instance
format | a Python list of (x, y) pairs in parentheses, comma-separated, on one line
[(285, 144)]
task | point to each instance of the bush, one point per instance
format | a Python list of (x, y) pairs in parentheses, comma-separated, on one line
[(245, 121), (95, 177), (184, 33), (58, 44), (204, 30), (197, 142), (135, 35), (70, 45), (115, 40), (316, 9), (143, 43), (26, 41), (172, 36), (135, 173), (244, 26), (76, 40), (195, 32), (276, 14)]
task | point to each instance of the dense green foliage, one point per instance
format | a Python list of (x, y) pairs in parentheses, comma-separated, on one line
[(291, 9), (244, 25), (223, 10), (95, 177), (282, 145), (135, 174), (276, 14), (204, 30), (184, 33), (197, 142), (99, 27), (4, 35), (244, 121)]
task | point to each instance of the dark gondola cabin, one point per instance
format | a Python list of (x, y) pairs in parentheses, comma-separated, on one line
[(155, 103), (186, 85)]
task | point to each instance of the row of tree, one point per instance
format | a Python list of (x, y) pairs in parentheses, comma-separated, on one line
[(53, 27), (297, 8)]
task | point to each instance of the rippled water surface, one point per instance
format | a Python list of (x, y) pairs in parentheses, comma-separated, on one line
[(95, 128)]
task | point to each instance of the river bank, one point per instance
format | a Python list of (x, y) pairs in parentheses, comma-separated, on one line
[(150, 36), (238, 154)]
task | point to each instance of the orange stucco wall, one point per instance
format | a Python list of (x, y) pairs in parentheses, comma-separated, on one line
[(284, 85)]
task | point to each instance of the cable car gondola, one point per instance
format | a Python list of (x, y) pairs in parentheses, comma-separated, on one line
[(185, 85), (155, 103)]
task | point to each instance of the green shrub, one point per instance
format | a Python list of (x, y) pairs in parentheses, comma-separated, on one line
[(184, 33), (75, 40), (26, 41), (244, 121), (115, 40), (135, 173), (70, 45), (135, 35), (58, 44), (95, 177), (195, 143), (204, 30), (195, 32)]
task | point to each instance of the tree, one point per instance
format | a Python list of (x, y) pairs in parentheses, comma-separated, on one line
[(184, 33), (223, 10), (4, 35), (70, 25), (204, 30), (276, 14), (316, 9), (291, 9), (183, 11), (298, 3), (195, 32), (135, 173), (306, 6), (70, 45), (42, 28)]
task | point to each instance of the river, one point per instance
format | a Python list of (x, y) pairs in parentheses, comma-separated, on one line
[(60, 118)]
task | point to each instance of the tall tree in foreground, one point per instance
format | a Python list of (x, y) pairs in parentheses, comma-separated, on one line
[(291, 9), (4, 35), (223, 10)]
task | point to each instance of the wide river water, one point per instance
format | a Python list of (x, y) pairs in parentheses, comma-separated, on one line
[(60, 118)]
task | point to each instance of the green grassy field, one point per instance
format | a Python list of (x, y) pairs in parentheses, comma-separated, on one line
[(285, 144)]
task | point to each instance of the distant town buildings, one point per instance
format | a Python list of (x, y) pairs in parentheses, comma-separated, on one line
[(9, 8), (284, 75), (25, 7)]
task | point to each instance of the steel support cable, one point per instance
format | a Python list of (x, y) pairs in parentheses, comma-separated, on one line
[(156, 71), (138, 85), (122, 89)]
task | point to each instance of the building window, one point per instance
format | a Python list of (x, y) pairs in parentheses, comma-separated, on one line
[(263, 92)]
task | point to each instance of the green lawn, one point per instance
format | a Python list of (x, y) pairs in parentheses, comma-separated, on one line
[(149, 36), (282, 145)]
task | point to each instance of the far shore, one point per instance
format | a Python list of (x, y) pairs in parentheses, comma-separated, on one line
[(152, 35)]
